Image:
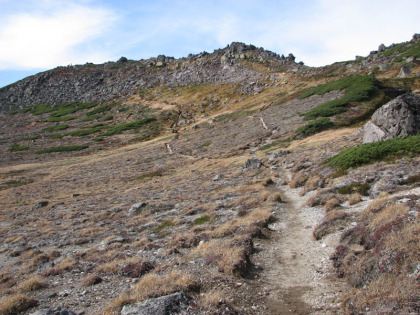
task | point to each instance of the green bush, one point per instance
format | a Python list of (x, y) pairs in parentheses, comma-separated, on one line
[(40, 109), (62, 118), (361, 188), (202, 220), (163, 225), (128, 126), (110, 117), (206, 144), (85, 132), (358, 89), (59, 110), (99, 110), (56, 127), (63, 112), (57, 136), (17, 147), (31, 137), (315, 126), (373, 152), (63, 149), (90, 118)]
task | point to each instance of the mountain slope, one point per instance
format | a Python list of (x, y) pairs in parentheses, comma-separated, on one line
[(127, 181)]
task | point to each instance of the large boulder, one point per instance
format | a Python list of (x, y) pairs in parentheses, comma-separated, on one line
[(398, 118), (405, 72), (137, 208), (251, 164), (381, 48), (164, 305)]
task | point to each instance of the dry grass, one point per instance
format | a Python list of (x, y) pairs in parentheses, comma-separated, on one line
[(276, 197), (231, 255), (115, 307), (91, 280), (313, 183), (298, 180), (211, 299), (322, 137), (354, 199), (384, 274), (331, 204), (383, 294), (328, 223), (389, 213), (16, 303), (92, 232), (112, 267), (259, 217), (32, 284), (267, 181), (35, 259), (67, 264), (153, 285)]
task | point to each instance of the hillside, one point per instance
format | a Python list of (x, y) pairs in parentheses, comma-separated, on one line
[(232, 182)]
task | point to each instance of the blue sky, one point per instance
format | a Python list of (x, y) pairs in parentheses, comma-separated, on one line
[(37, 35)]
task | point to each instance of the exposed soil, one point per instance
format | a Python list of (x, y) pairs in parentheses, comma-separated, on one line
[(296, 272)]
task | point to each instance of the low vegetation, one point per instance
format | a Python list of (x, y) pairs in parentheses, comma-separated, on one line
[(135, 125), (63, 149), (16, 147), (99, 110), (15, 304), (374, 152), (383, 272), (361, 188), (358, 89), (87, 131), (56, 127), (315, 126)]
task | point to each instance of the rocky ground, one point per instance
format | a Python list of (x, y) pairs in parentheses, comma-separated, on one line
[(222, 208)]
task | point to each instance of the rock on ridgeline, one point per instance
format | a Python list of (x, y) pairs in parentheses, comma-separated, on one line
[(398, 118)]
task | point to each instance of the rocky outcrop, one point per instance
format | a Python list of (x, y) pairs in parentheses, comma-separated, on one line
[(405, 72), (398, 118), (251, 164), (164, 305), (92, 83)]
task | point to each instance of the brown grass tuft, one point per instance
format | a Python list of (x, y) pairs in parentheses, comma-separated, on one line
[(16, 303), (328, 223), (276, 197), (299, 180), (117, 304), (211, 299), (354, 199), (153, 285), (389, 213), (313, 183), (91, 280), (267, 182), (32, 284), (331, 204)]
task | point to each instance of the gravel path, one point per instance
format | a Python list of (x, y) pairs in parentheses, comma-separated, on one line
[(297, 274)]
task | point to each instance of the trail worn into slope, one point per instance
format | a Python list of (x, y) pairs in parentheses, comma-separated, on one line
[(297, 275)]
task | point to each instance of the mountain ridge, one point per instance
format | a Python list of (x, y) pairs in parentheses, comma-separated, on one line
[(99, 82)]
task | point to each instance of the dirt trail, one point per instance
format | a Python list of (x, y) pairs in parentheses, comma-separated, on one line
[(297, 275)]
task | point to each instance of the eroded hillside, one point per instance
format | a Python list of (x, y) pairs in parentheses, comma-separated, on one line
[(206, 185)]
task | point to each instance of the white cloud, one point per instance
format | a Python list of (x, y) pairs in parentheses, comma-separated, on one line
[(339, 30), (49, 35)]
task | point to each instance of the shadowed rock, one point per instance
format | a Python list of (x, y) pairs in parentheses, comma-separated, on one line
[(251, 164), (164, 305), (398, 118)]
